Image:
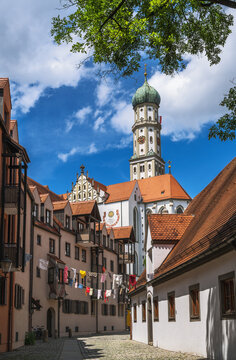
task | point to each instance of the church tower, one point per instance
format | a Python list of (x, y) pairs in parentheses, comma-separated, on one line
[(146, 160)]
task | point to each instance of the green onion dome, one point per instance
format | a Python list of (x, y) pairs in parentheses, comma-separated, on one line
[(146, 94)]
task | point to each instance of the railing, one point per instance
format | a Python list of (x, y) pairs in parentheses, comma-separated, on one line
[(10, 252), (86, 237), (11, 199), (126, 257)]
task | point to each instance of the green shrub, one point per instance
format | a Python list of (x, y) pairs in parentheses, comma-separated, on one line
[(29, 338)]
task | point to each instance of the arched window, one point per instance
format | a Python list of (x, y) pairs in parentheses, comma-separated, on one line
[(163, 210), (134, 169), (179, 209), (151, 139)]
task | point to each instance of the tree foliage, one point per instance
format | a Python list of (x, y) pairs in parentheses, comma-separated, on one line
[(225, 127), (119, 32)]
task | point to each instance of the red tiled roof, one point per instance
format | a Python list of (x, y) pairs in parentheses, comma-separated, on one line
[(55, 258), (160, 188), (43, 197), (120, 192), (214, 211), (141, 281), (46, 227), (97, 184), (165, 227), (123, 232), (60, 205), (82, 207), (42, 189)]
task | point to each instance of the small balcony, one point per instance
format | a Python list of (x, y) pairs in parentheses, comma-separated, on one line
[(127, 258), (86, 238), (11, 199), (10, 252)]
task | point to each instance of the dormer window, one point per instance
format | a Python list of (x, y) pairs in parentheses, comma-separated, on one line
[(48, 216), (36, 211), (67, 222)]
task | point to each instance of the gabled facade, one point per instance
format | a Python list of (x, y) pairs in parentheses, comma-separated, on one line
[(187, 290)]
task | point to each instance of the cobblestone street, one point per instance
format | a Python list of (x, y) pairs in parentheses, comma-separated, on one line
[(107, 347)]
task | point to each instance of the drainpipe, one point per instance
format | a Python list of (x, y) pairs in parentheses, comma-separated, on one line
[(31, 266), (18, 215), (24, 218), (10, 313)]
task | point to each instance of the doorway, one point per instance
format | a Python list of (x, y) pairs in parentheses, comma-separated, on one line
[(51, 322), (150, 333)]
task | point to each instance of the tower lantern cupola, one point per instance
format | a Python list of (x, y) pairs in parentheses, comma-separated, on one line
[(146, 160)]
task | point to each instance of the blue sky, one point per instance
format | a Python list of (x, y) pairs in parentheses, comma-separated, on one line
[(69, 116)]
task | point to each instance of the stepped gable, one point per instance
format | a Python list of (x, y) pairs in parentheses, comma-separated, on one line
[(161, 187), (42, 189), (168, 227), (214, 210), (97, 184), (120, 192)]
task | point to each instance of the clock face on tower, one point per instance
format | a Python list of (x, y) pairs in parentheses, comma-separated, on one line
[(141, 139)]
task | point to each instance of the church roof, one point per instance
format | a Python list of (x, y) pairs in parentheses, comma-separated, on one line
[(168, 227), (146, 94), (214, 210), (161, 187), (120, 192)]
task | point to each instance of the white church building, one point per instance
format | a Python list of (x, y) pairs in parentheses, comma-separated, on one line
[(149, 191)]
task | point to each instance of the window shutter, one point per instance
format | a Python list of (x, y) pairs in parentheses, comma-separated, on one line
[(86, 307)]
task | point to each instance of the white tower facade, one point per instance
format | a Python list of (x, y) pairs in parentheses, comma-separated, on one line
[(146, 160)]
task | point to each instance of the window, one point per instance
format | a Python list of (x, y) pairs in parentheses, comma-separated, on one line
[(171, 306), (121, 310), (19, 296), (227, 295), (83, 307), (51, 275), (104, 241), (76, 253), (93, 307), (111, 244), (83, 255), (39, 240), (68, 277), (104, 262), (112, 310), (112, 265), (105, 309), (143, 311), (134, 169), (83, 281), (179, 210), (142, 168), (67, 249), (52, 246), (67, 306), (3, 290), (38, 272), (194, 302), (36, 211), (48, 216), (156, 308), (149, 166), (135, 312), (61, 276), (151, 139), (67, 222)]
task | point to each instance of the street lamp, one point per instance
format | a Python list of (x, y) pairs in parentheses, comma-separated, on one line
[(5, 265)]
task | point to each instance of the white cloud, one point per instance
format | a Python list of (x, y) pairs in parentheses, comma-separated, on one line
[(123, 118), (83, 113), (29, 57), (104, 92), (89, 149), (98, 124)]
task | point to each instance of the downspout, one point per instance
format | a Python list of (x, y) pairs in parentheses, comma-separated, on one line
[(31, 266), (18, 216), (24, 219), (10, 312)]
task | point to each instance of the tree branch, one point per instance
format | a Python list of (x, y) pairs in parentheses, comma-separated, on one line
[(112, 13), (228, 3)]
